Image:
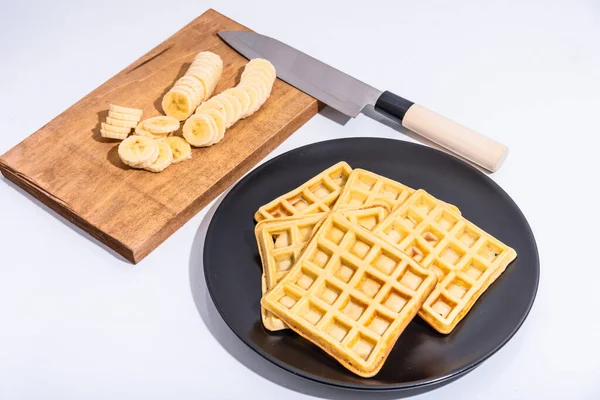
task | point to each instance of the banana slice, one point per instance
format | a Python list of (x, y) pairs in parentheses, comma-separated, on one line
[(125, 110), (215, 63), (200, 130), (180, 148), (141, 131), (120, 122), (210, 56), (113, 135), (255, 80), (211, 103), (243, 98), (124, 117), (165, 158), (208, 77), (255, 98), (190, 91), (235, 104), (262, 91), (194, 83), (177, 104), (261, 63), (257, 72), (161, 124), (138, 151), (220, 121), (226, 109), (113, 128)]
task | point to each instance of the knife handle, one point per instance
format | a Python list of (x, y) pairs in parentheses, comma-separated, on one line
[(463, 141)]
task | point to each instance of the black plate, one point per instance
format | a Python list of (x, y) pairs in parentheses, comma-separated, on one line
[(421, 356)]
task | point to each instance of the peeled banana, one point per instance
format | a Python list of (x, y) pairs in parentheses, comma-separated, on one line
[(208, 124), (194, 87)]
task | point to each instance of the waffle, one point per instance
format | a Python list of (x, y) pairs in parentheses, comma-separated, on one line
[(365, 187), (312, 197), (466, 259), (351, 293), (281, 241)]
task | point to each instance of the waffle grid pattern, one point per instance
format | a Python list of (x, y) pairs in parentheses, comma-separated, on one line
[(314, 196), (465, 259), (365, 187), (280, 242), (351, 293)]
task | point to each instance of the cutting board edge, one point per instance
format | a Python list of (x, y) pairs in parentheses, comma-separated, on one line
[(57, 206)]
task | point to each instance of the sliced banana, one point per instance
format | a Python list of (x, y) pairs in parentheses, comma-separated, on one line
[(257, 73), (219, 119), (208, 78), (180, 148), (255, 98), (256, 82), (113, 135), (226, 109), (235, 104), (138, 151), (161, 124), (209, 56), (200, 130), (194, 97), (141, 131), (124, 117), (211, 103), (177, 104), (165, 158), (125, 110), (194, 87), (262, 64), (113, 128), (243, 98), (120, 122), (193, 83)]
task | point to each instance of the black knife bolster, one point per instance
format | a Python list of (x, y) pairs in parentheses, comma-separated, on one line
[(393, 105)]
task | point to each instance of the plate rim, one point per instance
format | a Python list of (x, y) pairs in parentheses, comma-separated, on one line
[(423, 383)]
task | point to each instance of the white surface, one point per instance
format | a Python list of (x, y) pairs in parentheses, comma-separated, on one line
[(79, 323)]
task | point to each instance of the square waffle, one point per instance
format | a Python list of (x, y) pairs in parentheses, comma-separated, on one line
[(281, 241), (351, 293), (315, 196), (466, 259)]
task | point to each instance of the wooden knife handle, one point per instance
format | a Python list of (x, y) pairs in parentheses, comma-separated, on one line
[(463, 141)]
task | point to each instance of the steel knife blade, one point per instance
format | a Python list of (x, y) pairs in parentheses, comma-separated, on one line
[(350, 96)]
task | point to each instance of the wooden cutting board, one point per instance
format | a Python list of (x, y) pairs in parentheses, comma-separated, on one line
[(70, 168)]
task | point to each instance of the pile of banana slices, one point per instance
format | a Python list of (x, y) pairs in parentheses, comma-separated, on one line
[(207, 126), (196, 86), (153, 147), (119, 122)]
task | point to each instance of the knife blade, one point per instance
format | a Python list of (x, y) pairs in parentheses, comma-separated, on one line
[(350, 96)]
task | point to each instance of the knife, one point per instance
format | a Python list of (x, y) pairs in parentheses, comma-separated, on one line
[(350, 96)]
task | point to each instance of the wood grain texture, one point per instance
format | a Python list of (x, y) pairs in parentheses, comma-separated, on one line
[(70, 168)]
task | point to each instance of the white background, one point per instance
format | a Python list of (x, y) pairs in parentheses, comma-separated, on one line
[(77, 322)]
